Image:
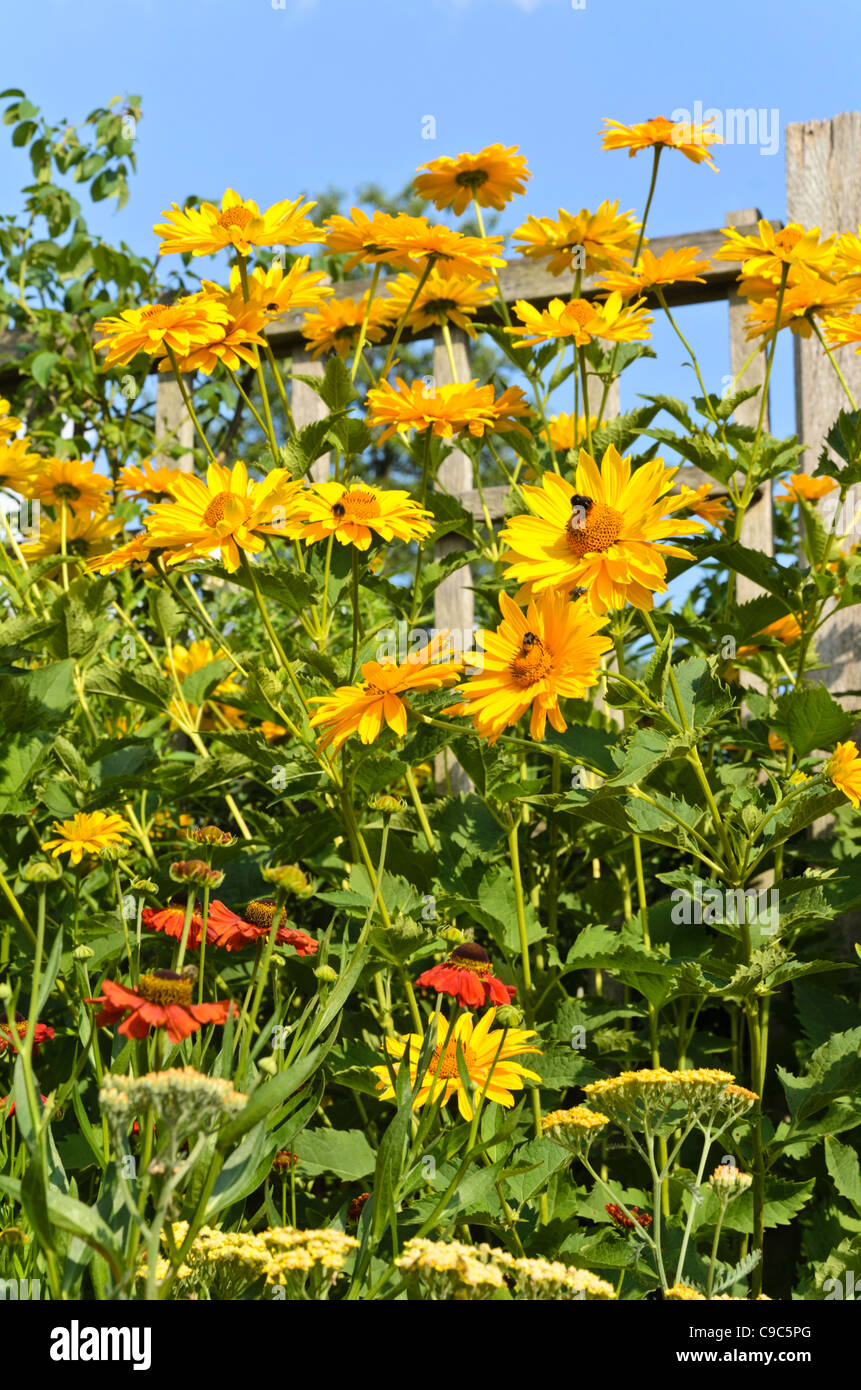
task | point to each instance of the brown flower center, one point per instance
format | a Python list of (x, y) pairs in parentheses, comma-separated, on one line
[(164, 987), (532, 662), (67, 492), (471, 178), (261, 912), (599, 530), (235, 217)]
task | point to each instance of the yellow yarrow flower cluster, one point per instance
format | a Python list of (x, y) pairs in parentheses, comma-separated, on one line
[(227, 1262), (450, 1269), (550, 1279), (574, 1129)]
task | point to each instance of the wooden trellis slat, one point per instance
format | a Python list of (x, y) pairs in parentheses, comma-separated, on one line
[(823, 189)]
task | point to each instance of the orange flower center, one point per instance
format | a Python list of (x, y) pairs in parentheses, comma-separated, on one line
[(158, 990), (580, 310), (532, 662), (357, 506), (235, 217), (215, 512), (601, 529), (789, 238), (444, 1064)]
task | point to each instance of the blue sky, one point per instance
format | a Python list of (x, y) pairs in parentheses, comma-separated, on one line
[(280, 101)]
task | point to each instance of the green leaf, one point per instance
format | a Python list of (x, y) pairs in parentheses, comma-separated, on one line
[(809, 717), (344, 1152), (842, 1164)]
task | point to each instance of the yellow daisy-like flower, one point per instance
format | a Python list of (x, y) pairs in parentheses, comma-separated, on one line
[(766, 253), (671, 268), (841, 330), (588, 241), (278, 291), (493, 177), (568, 431), (811, 297), (9, 424), (802, 487), (456, 408), (135, 552), (86, 833), (441, 299), (227, 512), (533, 659), (235, 342), (449, 251), (148, 481), (844, 769), (363, 238), (87, 534), (582, 320), (485, 1053), (335, 326), (355, 515), (605, 533), (159, 329), (71, 483), (17, 465), (237, 224), (362, 708), (692, 140)]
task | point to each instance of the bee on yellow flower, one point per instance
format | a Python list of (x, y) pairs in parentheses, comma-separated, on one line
[(536, 657), (606, 532)]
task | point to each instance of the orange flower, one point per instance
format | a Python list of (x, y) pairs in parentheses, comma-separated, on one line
[(335, 326), (159, 329), (582, 320), (602, 240), (692, 140), (362, 708), (801, 487), (442, 299), (238, 224), (493, 177), (162, 999), (766, 253), (455, 408), (672, 268)]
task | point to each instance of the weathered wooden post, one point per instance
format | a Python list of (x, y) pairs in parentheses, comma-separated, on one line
[(173, 424), (757, 528), (823, 189), (307, 406), (454, 604)]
